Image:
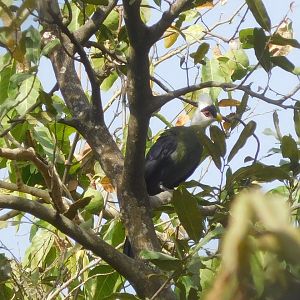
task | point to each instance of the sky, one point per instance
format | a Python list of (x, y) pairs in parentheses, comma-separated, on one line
[(280, 81)]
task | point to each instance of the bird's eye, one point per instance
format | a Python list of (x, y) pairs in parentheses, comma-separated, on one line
[(207, 114)]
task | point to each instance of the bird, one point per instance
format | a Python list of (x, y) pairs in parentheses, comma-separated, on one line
[(177, 152)]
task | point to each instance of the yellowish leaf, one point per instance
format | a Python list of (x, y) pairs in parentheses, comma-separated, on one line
[(229, 102), (208, 4), (170, 37), (226, 126), (182, 120), (106, 183)]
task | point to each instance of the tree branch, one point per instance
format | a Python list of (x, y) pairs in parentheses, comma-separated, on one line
[(91, 26), (49, 173), (168, 17), (96, 96), (136, 272), (135, 27), (26, 189), (159, 101)]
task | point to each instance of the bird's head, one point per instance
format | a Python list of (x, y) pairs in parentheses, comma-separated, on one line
[(206, 112)]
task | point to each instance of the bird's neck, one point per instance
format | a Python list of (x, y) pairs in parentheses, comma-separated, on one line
[(198, 129)]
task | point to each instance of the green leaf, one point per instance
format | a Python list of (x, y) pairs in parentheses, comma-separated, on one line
[(247, 38), (289, 149), (157, 2), (257, 270), (218, 137), (297, 118), (260, 14), (96, 204), (211, 72), (38, 249), (162, 260), (278, 39), (109, 81), (6, 292), (261, 49), (240, 110), (112, 20), (186, 207), (212, 149), (238, 63), (259, 172), (96, 2), (200, 53), (276, 125), (121, 296), (44, 138), (28, 94), (213, 234), (50, 46), (245, 134), (108, 282), (33, 44), (18, 78), (283, 63), (145, 11), (194, 33), (5, 75), (113, 232)]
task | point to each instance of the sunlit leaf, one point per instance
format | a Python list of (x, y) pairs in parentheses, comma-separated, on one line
[(96, 203), (170, 37), (109, 81), (211, 72), (108, 281), (29, 92), (107, 185), (238, 63), (182, 120), (247, 38), (33, 44), (39, 247), (193, 33), (229, 102)]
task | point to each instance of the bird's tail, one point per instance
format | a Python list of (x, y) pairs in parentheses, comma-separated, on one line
[(127, 249)]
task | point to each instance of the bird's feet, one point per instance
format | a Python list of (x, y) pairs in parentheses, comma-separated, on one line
[(165, 189)]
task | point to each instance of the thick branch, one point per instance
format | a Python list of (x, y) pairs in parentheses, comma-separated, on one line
[(159, 101), (26, 189), (168, 17), (136, 272), (96, 97), (135, 27), (48, 172), (91, 26)]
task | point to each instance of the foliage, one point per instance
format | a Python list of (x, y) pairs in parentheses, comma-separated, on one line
[(232, 234)]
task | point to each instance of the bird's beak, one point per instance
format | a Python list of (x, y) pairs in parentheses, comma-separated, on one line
[(219, 117)]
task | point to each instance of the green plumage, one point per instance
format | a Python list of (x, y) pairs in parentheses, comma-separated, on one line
[(173, 158)]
